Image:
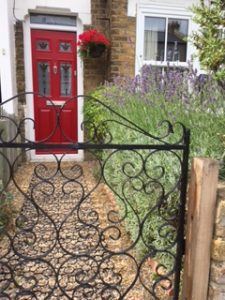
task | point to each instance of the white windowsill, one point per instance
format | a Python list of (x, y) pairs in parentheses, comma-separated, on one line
[(176, 64)]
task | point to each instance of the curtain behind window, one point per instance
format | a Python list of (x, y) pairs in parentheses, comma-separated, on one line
[(150, 45), (154, 38)]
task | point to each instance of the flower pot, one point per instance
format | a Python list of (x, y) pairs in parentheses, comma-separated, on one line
[(97, 50)]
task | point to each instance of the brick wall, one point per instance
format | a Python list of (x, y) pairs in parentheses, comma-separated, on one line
[(20, 78), (217, 272), (20, 72), (110, 17), (123, 37), (96, 69)]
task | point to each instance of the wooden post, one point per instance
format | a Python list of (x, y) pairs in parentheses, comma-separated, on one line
[(199, 230)]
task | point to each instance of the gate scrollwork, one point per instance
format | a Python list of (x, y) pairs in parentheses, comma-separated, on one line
[(109, 228)]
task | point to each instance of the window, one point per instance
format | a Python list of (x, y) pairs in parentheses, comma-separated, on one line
[(44, 78), (65, 79), (53, 19), (165, 39), (221, 32)]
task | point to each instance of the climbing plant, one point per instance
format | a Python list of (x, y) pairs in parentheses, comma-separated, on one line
[(210, 37)]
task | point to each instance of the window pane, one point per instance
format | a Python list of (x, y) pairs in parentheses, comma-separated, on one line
[(177, 40), (154, 38), (53, 20), (65, 79), (43, 78)]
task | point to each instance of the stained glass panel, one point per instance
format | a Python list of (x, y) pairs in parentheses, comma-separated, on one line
[(42, 45), (65, 47), (65, 79), (43, 78)]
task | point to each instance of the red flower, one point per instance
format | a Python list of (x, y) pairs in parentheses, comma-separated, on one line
[(89, 39)]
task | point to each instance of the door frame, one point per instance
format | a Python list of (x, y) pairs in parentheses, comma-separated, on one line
[(29, 107)]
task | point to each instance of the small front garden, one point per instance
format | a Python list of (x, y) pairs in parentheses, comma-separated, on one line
[(178, 96), (147, 100)]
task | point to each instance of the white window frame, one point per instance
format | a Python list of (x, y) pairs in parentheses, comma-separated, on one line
[(159, 11)]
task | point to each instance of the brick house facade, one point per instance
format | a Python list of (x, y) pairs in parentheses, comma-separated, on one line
[(139, 32), (111, 18)]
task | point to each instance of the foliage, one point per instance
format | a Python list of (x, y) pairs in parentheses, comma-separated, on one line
[(146, 100), (88, 41), (210, 38), (6, 199), (175, 95), (95, 129)]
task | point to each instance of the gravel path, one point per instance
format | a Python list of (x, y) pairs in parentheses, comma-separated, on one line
[(62, 245)]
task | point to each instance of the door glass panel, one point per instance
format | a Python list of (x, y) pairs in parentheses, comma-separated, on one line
[(177, 40), (43, 78), (154, 38), (42, 45), (65, 79), (65, 47), (53, 19)]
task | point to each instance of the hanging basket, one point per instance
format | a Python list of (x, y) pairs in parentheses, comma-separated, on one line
[(97, 50), (92, 44)]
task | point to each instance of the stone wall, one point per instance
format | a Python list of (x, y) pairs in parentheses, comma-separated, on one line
[(217, 272)]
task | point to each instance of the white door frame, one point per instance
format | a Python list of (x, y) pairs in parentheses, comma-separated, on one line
[(29, 107)]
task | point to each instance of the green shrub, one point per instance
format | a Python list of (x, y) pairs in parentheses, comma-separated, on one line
[(147, 100), (6, 199)]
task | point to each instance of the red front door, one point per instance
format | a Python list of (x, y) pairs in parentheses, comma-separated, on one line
[(54, 77)]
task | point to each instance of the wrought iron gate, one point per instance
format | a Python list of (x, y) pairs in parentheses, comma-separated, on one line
[(107, 228)]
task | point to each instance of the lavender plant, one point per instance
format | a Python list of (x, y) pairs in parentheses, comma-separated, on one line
[(177, 95)]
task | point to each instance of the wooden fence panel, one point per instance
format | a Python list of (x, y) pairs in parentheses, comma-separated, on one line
[(199, 231)]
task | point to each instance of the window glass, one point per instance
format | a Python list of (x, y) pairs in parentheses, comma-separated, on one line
[(42, 45), (65, 79), (53, 20), (155, 30), (65, 47), (177, 40), (43, 78), (154, 38), (221, 33)]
